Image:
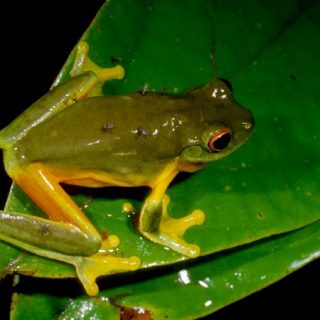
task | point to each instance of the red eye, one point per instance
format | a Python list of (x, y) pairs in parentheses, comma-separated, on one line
[(219, 140)]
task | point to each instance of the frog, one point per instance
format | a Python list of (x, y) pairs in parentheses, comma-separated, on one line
[(76, 135)]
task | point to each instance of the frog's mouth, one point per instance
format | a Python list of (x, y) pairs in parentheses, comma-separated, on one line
[(198, 154)]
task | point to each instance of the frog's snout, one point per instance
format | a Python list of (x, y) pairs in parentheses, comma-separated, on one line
[(248, 122), (247, 125)]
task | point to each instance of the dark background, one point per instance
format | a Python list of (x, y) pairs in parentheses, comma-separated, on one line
[(36, 38)]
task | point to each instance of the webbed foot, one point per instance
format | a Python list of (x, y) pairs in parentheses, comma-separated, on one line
[(171, 231), (90, 268), (83, 63)]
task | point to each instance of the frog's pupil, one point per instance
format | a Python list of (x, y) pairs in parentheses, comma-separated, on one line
[(222, 142)]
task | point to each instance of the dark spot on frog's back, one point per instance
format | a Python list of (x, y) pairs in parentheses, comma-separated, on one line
[(107, 127), (141, 132)]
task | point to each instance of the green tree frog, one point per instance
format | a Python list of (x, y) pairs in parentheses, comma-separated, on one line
[(74, 135)]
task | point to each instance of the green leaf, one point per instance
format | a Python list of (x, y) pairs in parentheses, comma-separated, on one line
[(210, 284), (237, 209), (267, 187)]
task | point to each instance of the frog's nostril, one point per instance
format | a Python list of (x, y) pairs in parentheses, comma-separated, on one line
[(247, 125)]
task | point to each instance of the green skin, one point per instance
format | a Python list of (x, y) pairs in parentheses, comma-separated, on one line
[(132, 138), (105, 136)]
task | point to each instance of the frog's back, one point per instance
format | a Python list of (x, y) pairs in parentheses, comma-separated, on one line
[(104, 132)]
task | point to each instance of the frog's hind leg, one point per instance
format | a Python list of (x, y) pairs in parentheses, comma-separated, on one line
[(156, 224), (70, 238)]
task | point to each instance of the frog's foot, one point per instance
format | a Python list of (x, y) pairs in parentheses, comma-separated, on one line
[(90, 268), (101, 264), (171, 231), (82, 63)]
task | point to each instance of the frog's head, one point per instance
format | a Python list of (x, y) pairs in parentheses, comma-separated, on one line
[(222, 124)]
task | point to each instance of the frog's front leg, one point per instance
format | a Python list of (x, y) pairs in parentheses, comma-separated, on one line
[(86, 80), (156, 224), (70, 238), (83, 64)]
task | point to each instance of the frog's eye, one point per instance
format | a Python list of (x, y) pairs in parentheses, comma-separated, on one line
[(219, 140), (227, 83)]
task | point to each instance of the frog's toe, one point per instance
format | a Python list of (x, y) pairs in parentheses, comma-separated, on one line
[(176, 243), (114, 73), (103, 263), (171, 232), (90, 268), (83, 63), (180, 226), (109, 244)]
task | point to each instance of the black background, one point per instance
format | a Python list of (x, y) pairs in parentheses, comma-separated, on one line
[(36, 38)]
